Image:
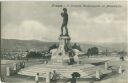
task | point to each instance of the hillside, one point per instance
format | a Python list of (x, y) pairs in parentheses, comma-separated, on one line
[(24, 44), (14, 44)]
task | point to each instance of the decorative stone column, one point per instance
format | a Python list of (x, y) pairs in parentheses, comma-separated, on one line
[(64, 43), (8, 71), (97, 74), (48, 77), (106, 65), (120, 70), (14, 66)]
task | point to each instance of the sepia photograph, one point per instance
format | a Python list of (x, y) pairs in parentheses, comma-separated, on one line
[(64, 42)]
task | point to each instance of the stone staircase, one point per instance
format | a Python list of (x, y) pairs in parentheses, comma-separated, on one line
[(86, 70)]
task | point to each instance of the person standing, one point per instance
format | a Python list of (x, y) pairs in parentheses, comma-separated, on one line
[(73, 80), (37, 78), (122, 58), (55, 77)]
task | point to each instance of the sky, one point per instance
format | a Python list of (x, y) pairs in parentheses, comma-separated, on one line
[(88, 21)]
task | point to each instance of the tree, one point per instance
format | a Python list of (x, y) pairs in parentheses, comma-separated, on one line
[(92, 51), (75, 46), (106, 52), (75, 75), (53, 47), (89, 52), (34, 54), (122, 53)]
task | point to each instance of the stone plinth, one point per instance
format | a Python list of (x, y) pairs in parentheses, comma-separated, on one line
[(61, 55), (64, 43)]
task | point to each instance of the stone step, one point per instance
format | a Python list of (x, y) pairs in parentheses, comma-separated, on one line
[(65, 71), (63, 74)]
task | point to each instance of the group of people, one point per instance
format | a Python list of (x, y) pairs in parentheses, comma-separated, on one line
[(17, 66), (54, 77)]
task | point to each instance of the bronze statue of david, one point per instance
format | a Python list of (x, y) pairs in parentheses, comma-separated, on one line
[(65, 22)]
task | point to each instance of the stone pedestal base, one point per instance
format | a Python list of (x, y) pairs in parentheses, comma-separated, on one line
[(61, 56), (59, 60)]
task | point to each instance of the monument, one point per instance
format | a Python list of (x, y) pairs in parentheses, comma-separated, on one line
[(63, 59), (64, 52), (64, 15)]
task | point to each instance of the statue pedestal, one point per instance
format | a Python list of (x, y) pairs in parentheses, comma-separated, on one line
[(61, 56)]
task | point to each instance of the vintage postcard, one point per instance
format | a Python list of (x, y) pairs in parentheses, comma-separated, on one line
[(64, 42)]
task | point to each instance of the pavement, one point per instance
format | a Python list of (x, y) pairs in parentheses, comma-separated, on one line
[(115, 78)]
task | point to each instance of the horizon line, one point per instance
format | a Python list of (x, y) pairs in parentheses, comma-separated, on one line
[(58, 41)]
